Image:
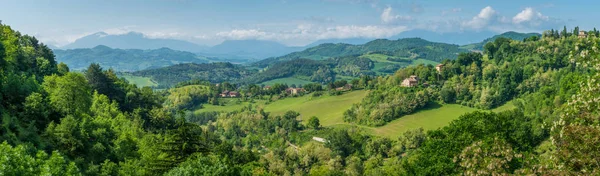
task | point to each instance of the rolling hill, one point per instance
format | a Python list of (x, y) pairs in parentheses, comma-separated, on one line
[(125, 59), (510, 35), (415, 48)]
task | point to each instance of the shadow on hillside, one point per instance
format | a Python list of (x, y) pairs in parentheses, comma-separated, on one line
[(430, 106)]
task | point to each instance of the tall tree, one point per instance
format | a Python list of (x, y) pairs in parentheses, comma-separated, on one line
[(69, 93)]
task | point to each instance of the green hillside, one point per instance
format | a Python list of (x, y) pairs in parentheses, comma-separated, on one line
[(428, 119), (510, 35), (407, 47)]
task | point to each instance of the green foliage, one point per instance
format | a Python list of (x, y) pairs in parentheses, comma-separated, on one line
[(512, 126), (98, 124), (313, 122), (205, 165), (509, 35), (68, 94), (20, 160), (187, 97), (384, 105)]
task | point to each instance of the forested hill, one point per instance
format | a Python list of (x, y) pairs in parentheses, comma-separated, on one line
[(511, 35), (407, 47), (213, 72), (125, 59)]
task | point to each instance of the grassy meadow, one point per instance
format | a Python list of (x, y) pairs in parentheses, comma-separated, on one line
[(140, 81), (330, 110)]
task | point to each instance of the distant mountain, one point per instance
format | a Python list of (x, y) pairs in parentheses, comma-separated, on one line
[(459, 38), (238, 50), (125, 59), (132, 40), (413, 48), (251, 49), (353, 41), (213, 72), (511, 35)]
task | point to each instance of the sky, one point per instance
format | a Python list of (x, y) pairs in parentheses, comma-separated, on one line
[(291, 22)]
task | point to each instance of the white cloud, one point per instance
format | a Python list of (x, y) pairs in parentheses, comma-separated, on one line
[(450, 11), (242, 34), (388, 17), (304, 34), (529, 16), (119, 30), (486, 16)]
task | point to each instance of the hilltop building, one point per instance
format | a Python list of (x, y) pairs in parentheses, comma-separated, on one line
[(582, 34), (411, 81), (439, 67), (294, 91), (344, 88)]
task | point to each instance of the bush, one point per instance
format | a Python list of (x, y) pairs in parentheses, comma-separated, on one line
[(317, 94)]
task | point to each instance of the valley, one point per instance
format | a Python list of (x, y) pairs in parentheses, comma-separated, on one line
[(229, 90)]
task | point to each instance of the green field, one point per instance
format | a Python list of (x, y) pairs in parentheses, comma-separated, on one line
[(428, 119), (329, 109), (140, 81), (288, 81), (424, 61)]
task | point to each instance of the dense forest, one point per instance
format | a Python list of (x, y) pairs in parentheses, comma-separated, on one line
[(57, 122), (213, 72), (126, 59), (511, 35)]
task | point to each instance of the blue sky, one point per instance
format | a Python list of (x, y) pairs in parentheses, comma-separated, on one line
[(291, 22)]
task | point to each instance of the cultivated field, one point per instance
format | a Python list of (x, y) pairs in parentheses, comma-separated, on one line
[(329, 109), (140, 81)]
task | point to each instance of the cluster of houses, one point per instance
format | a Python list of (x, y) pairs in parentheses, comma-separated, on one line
[(229, 94)]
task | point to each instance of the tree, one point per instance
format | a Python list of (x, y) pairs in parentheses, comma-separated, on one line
[(313, 122), (575, 135), (69, 93), (97, 79), (62, 69), (564, 32), (489, 157), (205, 165), (18, 161), (339, 142), (36, 110)]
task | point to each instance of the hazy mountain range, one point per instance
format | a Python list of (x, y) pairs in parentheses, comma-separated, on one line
[(125, 59), (252, 50), (133, 51)]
